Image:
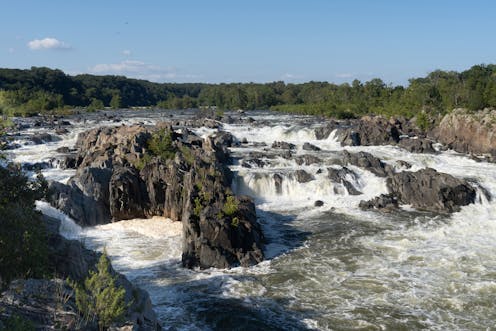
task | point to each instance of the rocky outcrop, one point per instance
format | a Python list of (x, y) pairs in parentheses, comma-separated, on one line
[(307, 159), (430, 190), (468, 132), (384, 202), (417, 145), (368, 162), (310, 147), (343, 176), (119, 178), (302, 176), (283, 145), (370, 130)]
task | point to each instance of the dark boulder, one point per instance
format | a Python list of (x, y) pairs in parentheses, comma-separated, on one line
[(368, 162), (63, 150), (369, 131), (278, 183), (302, 176), (310, 147), (323, 132), (128, 196), (404, 164), (343, 176), (85, 198), (430, 190), (384, 202), (253, 163), (417, 145), (318, 203), (43, 138), (307, 159), (283, 145)]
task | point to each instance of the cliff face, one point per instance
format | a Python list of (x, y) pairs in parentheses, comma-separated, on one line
[(468, 132), (119, 178)]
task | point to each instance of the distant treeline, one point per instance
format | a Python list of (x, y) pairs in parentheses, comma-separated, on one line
[(25, 92)]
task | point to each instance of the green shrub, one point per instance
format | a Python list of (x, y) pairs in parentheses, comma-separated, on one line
[(100, 298), (230, 206), (198, 207), (18, 323), (23, 241), (422, 121), (235, 222), (160, 145)]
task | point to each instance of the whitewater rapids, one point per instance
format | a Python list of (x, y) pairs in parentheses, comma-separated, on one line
[(330, 268)]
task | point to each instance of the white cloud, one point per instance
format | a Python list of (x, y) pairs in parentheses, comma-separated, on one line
[(126, 52), (47, 43), (141, 70), (345, 75)]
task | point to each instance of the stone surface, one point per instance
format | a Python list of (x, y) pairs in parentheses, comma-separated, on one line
[(430, 190), (191, 187), (368, 162)]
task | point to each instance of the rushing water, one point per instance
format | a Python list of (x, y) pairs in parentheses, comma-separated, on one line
[(330, 268)]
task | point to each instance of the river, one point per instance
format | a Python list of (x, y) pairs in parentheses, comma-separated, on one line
[(333, 267)]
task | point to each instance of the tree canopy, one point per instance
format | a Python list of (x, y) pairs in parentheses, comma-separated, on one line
[(29, 91)]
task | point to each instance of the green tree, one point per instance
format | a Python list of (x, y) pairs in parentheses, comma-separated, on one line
[(96, 104), (23, 241), (116, 101), (100, 298)]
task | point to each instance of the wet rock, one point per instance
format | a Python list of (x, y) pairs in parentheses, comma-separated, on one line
[(417, 145), (127, 197), (250, 163), (324, 132), (43, 138), (368, 162), (343, 176), (302, 176), (85, 198), (384, 202), (69, 162), (430, 190), (370, 131), (307, 159), (278, 183), (63, 149), (403, 164), (318, 203), (108, 187), (61, 131), (37, 166), (283, 145), (310, 147)]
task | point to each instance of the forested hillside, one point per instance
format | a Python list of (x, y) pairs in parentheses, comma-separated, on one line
[(25, 92)]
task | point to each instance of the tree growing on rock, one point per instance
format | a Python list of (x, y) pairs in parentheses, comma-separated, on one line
[(100, 297)]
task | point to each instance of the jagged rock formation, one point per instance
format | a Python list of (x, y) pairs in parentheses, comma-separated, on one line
[(377, 130), (428, 189), (118, 177), (425, 189), (368, 162), (468, 132)]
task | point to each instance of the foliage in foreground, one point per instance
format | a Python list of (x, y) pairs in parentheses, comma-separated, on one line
[(18, 323), (99, 298), (23, 242)]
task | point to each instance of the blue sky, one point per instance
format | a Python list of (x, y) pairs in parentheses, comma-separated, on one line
[(259, 41)]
